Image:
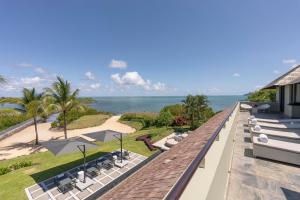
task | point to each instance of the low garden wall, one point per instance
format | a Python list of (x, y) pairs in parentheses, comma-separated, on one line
[(16, 128)]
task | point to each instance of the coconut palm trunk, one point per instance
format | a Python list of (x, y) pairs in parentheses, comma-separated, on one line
[(65, 124), (36, 131)]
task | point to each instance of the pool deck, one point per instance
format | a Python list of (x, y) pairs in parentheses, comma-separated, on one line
[(254, 178)]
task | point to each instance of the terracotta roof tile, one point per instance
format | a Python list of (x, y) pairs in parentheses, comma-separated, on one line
[(156, 179)]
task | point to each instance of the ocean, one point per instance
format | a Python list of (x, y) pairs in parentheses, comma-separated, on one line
[(119, 105)]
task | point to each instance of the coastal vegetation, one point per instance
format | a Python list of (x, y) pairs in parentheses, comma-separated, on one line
[(86, 100), (11, 119), (193, 112), (266, 95), (88, 121)]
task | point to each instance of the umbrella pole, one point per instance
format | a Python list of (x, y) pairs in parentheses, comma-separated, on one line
[(121, 147), (84, 168)]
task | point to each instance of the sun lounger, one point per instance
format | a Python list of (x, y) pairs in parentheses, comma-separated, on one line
[(275, 121), (277, 150), (245, 107), (287, 136), (278, 126)]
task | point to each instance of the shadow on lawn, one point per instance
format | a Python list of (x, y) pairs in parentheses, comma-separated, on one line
[(43, 175)]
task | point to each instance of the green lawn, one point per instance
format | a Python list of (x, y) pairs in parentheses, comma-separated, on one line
[(136, 125), (88, 121), (46, 165)]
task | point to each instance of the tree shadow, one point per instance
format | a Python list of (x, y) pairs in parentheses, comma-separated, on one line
[(290, 194), (46, 174), (31, 147)]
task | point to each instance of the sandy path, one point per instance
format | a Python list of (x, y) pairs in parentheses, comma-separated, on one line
[(21, 143)]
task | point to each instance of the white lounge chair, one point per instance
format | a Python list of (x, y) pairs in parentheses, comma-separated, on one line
[(292, 136), (274, 121), (245, 107), (290, 125), (277, 150)]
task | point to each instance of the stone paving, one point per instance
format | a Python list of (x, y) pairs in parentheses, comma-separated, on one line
[(47, 190), (259, 179)]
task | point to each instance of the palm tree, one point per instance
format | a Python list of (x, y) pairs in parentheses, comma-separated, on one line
[(63, 98), (33, 104), (195, 107), (190, 107)]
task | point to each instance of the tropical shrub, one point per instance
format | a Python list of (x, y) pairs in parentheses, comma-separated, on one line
[(165, 118), (8, 121), (147, 119), (15, 166), (176, 109), (267, 95), (4, 170), (180, 121)]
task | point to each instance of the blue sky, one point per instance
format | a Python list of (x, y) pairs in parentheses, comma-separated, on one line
[(138, 47)]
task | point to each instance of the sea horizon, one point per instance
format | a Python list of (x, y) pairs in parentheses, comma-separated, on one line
[(123, 104)]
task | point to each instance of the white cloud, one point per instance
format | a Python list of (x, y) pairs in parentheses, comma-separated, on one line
[(120, 64), (289, 61), (259, 86), (90, 76), (236, 75), (159, 86), (95, 86), (129, 78), (31, 80), (276, 72), (135, 79)]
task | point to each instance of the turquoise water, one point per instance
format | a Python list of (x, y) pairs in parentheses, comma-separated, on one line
[(121, 105), (154, 104)]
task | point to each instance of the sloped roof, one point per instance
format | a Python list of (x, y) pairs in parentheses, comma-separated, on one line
[(291, 77), (156, 179)]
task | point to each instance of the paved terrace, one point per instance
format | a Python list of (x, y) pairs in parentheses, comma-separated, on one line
[(47, 190), (254, 178)]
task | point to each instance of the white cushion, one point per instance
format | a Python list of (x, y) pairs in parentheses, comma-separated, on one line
[(263, 138), (253, 121), (257, 128)]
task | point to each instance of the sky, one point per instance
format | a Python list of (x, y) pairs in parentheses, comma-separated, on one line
[(148, 48)]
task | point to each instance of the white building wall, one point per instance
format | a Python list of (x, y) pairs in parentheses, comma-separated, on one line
[(287, 99)]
